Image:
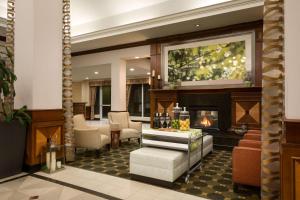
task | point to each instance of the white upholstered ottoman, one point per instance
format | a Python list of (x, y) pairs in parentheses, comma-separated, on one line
[(164, 164)]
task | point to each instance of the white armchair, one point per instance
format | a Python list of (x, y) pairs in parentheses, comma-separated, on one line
[(91, 137), (121, 121)]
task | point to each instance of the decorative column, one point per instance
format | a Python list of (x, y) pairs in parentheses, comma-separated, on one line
[(10, 25), (67, 83), (118, 85), (10, 35), (273, 97), (38, 66)]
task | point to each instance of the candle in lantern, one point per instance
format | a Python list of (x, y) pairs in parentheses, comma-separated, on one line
[(158, 77), (53, 161), (153, 73), (48, 160), (58, 164)]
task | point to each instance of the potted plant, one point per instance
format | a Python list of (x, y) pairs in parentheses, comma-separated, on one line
[(12, 122)]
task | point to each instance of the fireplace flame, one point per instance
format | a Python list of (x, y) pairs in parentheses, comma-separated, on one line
[(205, 122)]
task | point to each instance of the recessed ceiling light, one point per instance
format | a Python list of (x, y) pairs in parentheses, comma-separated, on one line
[(131, 69), (197, 25), (87, 78), (136, 57), (96, 72), (148, 73)]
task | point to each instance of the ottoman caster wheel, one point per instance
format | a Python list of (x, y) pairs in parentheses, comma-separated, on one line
[(187, 178)]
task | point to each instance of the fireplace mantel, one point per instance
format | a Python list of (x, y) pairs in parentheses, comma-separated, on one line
[(245, 102)]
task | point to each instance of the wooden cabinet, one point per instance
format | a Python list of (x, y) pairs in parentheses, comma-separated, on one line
[(160, 101), (290, 161), (246, 109), (45, 124), (79, 108)]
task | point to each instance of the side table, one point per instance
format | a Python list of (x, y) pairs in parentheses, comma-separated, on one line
[(115, 139)]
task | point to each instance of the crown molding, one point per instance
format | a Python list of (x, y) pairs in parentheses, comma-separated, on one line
[(226, 7)]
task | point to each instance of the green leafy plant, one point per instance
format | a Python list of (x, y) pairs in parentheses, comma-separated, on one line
[(7, 92)]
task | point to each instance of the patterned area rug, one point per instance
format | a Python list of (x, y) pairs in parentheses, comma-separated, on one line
[(213, 182)]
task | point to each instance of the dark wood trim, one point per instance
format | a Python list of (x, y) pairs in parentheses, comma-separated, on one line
[(168, 98), (76, 187), (292, 131), (288, 153), (207, 89), (255, 25)]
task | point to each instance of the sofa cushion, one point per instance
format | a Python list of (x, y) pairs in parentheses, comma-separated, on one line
[(120, 118), (105, 139), (79, 122), (160, 158), (129, 133)]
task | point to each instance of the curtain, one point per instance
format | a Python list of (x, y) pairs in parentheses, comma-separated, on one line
[(273, 97), (93, 91), (128, 91), (94, 83)]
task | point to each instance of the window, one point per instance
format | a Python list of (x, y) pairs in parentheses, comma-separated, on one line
[(103, 101), (146, 99), (139, 100)]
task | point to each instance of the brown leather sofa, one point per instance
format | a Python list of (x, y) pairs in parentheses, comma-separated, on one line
[(246, 161)]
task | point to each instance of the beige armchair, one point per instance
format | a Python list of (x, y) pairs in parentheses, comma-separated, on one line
[(121, 121), (91, 137)]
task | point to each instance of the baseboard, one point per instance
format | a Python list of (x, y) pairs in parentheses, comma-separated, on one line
[(152, 181), (31, 168)]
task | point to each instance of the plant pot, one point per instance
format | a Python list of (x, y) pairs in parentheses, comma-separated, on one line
[(12, 148)]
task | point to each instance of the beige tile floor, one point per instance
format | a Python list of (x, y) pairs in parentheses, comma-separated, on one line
[(27, 188), (115, 186)]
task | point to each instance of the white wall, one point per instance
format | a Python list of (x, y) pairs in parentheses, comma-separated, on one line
[(110, 56), (292, 63), (117, 60), (76, 88), (38, 54)]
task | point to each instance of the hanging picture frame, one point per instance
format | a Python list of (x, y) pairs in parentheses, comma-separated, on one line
[(223, 60)]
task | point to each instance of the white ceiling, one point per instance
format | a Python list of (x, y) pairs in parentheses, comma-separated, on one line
[(90, 16), (103, 23), (163, 18), (84, 11), (140, 66), (236, 17)]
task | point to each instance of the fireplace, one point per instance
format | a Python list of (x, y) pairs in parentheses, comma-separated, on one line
[(206, 119), (210, 112)]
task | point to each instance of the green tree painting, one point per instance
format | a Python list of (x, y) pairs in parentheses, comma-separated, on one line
[(225, 61)]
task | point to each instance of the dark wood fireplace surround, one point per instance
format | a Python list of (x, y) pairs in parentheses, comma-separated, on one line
[(243, 106)]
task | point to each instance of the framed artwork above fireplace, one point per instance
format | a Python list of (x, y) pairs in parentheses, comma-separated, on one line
[(222, 60)]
